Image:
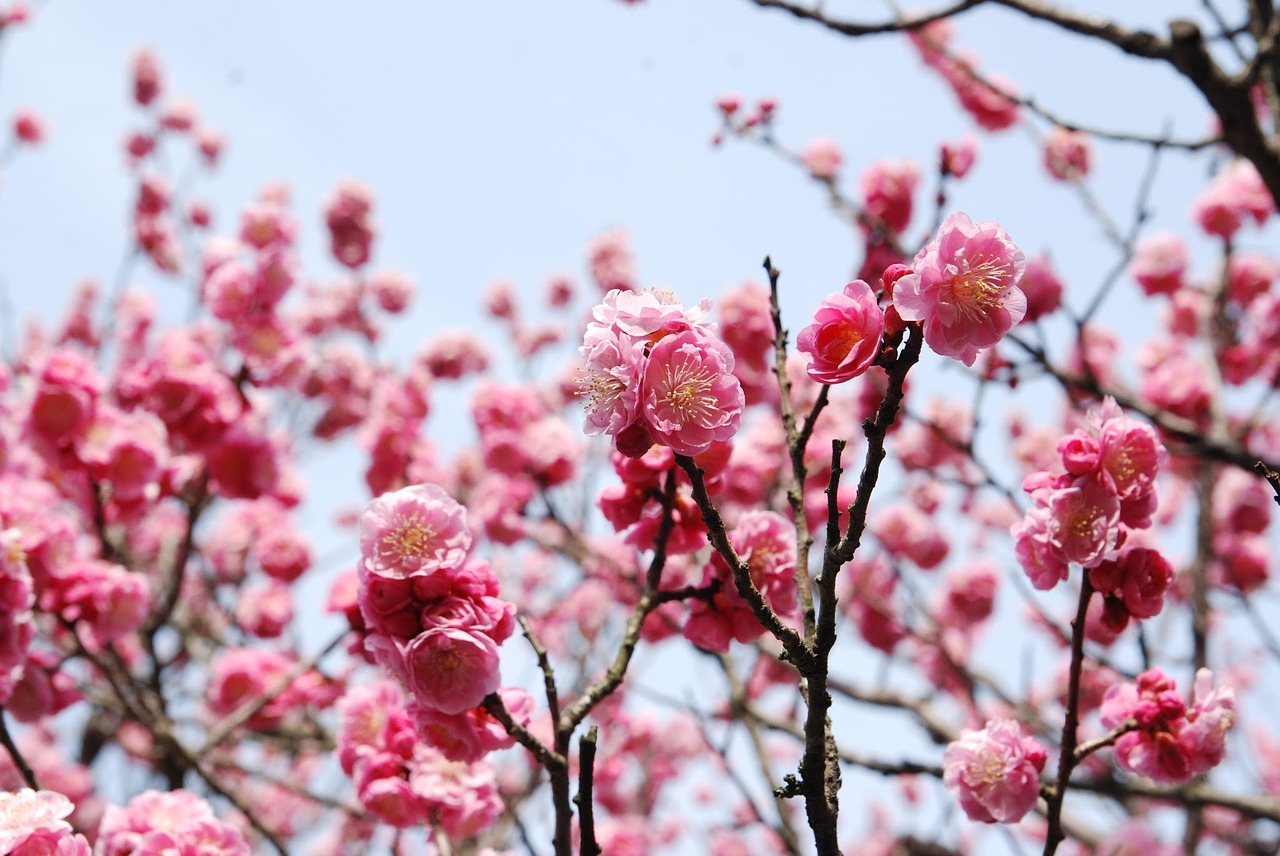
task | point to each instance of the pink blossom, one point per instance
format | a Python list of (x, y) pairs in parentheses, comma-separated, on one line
[(29, 127), (958, 157), (822, 158), (844, 338), (887, 189), (611, 263), (29, 813), (1173, 742), (1133, 584), (1043, 288), (690, 395), (415, 530), (964, 288), (392, 290), (1235, 193), (451, 669), (350, 228), (148, 79), (176, 821), (995, 772), (1066, 154), (1159, 264)]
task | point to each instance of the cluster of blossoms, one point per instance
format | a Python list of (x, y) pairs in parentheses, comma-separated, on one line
[(1168, 740), (32, 823), (404, 781), (1083, 514), (155, 823), (432, 614), (655, 372), (994, 773)]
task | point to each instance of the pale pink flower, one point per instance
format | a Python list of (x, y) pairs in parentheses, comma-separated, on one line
[(822, 157), (170, 822), (1159, 264), (844, 338), (1084, 519), (964, 288), (27, 812), (1066, 154), (415, 530), (995, 772), (610, 261), (690, 397)]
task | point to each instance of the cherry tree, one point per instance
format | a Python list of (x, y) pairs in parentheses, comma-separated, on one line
[(929, 567)]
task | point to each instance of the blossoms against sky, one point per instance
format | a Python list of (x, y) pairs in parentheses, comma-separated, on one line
[(654, 372), (1173, 741), (1081, 515), (964, 288)]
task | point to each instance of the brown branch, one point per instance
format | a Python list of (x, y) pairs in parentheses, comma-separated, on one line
[(586, 813), (1055, 834), (1229, 99), (793, 646), (851, 28), (24, 769)]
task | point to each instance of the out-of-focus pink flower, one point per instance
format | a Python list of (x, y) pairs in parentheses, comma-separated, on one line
[(174, 821), (844, 338), (1159, 264), (148, 79), (958, 157), (29, 127), (995, 772), (1235, 193), (1042, 287), (611, 263), (964, 288), (822, 157), (887, 188), (351, 231), (27, 813), (1066, 154)]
